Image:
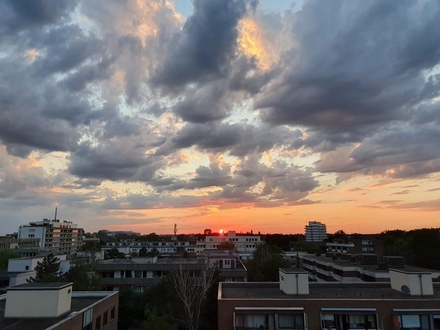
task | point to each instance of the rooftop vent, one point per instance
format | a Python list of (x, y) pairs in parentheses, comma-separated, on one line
[(294, 281), (413, 283), (38, 300)]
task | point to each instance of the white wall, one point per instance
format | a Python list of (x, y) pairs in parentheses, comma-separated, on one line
[(37, 232)]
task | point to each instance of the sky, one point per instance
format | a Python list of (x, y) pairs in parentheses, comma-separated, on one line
[(222, 114)]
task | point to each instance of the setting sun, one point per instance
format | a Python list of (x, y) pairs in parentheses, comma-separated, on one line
[(221, 231)]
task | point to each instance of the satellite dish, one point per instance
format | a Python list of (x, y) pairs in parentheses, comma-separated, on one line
[(405, 289)]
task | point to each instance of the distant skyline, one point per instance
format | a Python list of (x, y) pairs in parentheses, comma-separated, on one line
[(222, 114)]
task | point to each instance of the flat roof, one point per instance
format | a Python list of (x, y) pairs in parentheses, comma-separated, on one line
[(293, 270), (372, 268), (361, 291), (40, 286), (78, 303)]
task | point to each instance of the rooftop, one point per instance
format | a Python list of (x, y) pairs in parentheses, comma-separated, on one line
[(271, 290), (373, 268), (40, 286), (81, 301)]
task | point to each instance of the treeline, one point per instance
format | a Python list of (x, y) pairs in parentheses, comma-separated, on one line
[(419, 247)]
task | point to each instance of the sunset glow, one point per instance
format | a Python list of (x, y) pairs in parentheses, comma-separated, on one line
[(142, 114)]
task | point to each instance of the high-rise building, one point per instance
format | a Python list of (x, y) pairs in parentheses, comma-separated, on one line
[(316, 231), (55, 235)]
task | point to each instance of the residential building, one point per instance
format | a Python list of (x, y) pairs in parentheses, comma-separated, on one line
[(243, 243), (356, 246), (54, 235), (165, 248), (20, 270), (231, 268), (410, 301), (360, 268), (38, 306), (315, 231), (139, 273), (23, 247)]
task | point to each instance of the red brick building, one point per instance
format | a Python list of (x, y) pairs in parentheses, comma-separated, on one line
[(38, 306), (410, 301)]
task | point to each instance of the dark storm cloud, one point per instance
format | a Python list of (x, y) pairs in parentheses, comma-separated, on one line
[(23, 14), (238, 139), (399, 151), (113, 160), (354, 64), (205, 46)]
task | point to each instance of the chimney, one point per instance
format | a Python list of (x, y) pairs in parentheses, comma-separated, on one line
[(38, 300), (414, 283), (294, 281)]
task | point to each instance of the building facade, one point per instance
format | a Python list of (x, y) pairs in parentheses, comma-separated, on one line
[(54, 235), (356, 246), (140, 273), (229, 264), (242, 243), (22, 308), (315, 231), (360, 268), (410, 301)]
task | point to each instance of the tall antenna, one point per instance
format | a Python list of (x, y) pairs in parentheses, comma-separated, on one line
[(56, 210), (175, 229)]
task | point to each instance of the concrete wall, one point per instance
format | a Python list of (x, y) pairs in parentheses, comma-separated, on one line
[(312, 308), (31, 303), (294, 283), (417, 283), (19, 264), (38, 232)]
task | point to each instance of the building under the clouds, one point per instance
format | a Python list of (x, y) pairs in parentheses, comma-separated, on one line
[(409, 301), (55, 235), (315, 231), (39, 306)]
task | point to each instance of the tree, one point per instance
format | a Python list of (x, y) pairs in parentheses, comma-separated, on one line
[(153, 253), (192, 284), (226, 245), (340, 234), (267, 259), (143, 252), (5, 255), (82, 274), (154, 321), (47, 270), (113, 254)]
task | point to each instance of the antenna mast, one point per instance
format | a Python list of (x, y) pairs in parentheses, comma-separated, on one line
[(56, 210)]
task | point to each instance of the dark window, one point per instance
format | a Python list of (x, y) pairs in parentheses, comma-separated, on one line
[(112, 314), (98, 323), (88, 319), (105, 319)]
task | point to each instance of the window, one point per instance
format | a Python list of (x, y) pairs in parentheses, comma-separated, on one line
[(348, 321), (227, 262), (88, 319), (269, 321), (112, 314), (328, 321), (98, 323), (105, 319), (414, 322), (26, 267), (290, 321)]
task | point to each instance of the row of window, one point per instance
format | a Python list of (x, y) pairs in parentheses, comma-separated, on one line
[(332, 321), (101, 320)]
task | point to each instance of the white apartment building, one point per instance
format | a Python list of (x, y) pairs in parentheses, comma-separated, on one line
[(243, 243), (54, 235), (316, 231)]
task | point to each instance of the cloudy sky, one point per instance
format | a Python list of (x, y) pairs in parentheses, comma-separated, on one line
[(221, 114)]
